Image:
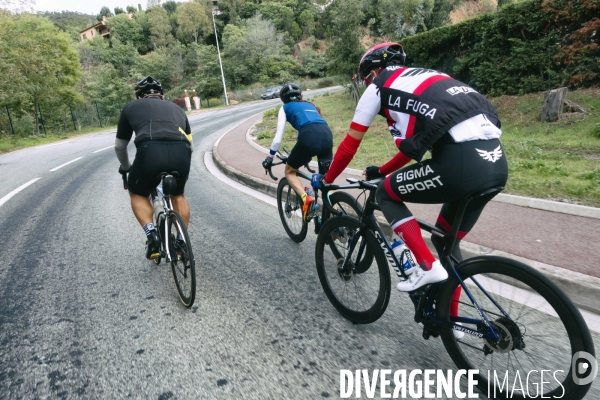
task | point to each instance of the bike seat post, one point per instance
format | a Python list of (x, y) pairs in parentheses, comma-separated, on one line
[(452, 236)]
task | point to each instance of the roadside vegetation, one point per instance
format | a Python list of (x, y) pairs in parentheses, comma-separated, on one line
[(556, 161), (11, 143)]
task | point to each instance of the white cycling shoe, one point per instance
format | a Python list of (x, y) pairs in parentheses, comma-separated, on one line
[(419, 278)]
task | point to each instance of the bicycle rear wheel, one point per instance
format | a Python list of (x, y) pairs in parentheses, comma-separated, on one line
[(289, 205), (538, 325), (182, 260), (360, 294)]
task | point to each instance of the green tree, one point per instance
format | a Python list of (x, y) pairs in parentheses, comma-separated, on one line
[(193, 22), (250, 48), (108, 88), (129, 31), (203, 63), (402, 18), (502, 3), (159, 27), (170, 7), (281, 16), (165, 64), (313, 63), (131, 10), (37, 63), (119, 10), (440, 14), (345, 51), (104, 13), (307, 22)]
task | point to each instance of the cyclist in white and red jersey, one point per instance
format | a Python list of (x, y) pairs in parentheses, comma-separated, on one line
[(425, 110)]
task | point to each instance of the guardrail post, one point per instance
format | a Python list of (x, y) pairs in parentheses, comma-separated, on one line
[(98, 112), (72, 117), (42, 120), (12, 129)]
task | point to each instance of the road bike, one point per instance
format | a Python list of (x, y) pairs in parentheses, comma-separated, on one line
[(493, 314), (289, 204), (175, 244)]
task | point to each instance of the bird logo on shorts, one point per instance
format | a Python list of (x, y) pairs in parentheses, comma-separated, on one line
[(492, 156)]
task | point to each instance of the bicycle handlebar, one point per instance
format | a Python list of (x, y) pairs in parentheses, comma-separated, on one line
[(352, 184), (283, 158)]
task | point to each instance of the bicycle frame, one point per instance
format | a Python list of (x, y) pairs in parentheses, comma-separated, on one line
[(423, 299), (301, 174), (167, 207)]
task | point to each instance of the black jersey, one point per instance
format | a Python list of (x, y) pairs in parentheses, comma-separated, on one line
[(153, 119)]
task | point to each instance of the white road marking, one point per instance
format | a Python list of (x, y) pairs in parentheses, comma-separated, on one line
[(17, 190), (212, 168), (103, 149), (52, 144), (67, 163)]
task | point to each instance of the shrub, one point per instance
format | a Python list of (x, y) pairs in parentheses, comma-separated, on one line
[(272, 112), (180, 102), (524, 47), (326, 83)]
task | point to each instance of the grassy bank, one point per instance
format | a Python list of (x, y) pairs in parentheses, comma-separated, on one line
[(556, 161), (11, 143)]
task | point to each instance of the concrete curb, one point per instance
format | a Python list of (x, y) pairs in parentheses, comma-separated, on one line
[(582, 289), (540, 204)]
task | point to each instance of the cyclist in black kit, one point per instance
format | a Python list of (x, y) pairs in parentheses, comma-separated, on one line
[(425, 110), (164, 144)]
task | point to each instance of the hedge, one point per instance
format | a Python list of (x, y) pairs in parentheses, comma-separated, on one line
[(524, 47)]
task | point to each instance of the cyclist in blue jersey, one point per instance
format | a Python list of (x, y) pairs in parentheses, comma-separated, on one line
[(314, 139)]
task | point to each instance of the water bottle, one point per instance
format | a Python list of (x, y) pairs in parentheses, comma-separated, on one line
[(404, 256)]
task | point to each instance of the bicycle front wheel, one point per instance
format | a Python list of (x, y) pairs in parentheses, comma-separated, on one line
[(360, 293), (538, 328), (289, 205), (347, 205), (181, 258)]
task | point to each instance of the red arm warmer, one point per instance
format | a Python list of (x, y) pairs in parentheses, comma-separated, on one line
[(342, 158), (399, 161)]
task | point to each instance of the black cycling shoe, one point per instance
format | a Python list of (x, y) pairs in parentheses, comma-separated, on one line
[(153, 246)]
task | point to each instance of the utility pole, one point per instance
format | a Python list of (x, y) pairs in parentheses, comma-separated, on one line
[(217, 12)]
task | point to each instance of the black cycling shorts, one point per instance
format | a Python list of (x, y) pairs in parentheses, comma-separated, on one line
[(454, 171), (313, 140), (156, 156)]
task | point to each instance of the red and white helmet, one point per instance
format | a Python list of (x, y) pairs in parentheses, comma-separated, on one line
[(378, 57)]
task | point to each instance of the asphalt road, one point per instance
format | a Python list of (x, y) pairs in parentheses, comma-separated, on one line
[(84, 315)]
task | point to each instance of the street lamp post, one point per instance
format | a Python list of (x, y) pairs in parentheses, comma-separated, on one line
[(217, 12)]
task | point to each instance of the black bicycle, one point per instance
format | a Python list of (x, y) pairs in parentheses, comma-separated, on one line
[(176, 246), (494, 314), (289, 204)]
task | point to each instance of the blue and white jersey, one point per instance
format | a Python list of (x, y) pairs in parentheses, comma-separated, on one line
[(298, 114)]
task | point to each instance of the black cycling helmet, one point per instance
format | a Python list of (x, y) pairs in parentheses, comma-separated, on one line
[(290, 92), (380, 56), (147, 86)]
